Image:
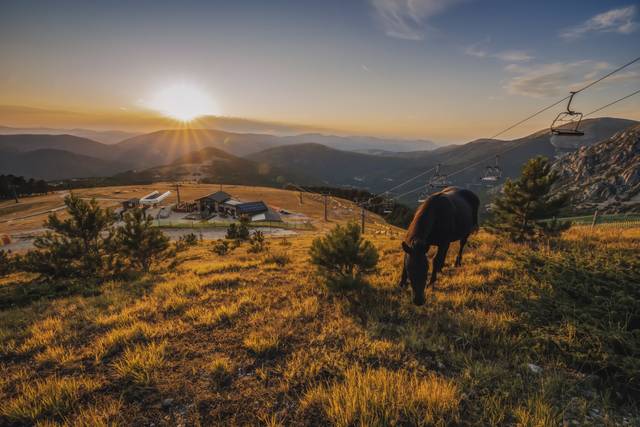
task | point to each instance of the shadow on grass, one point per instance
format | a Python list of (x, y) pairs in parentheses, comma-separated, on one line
[(584, 307)]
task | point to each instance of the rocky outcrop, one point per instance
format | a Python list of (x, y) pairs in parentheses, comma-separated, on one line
[(605, 175)]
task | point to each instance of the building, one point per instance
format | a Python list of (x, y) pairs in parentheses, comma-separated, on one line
[(212, 203), (222, 203), (130, 204)]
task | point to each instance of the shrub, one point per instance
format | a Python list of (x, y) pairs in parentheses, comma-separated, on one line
[(239, 231), (280, 259), (140, 242), (343, 257), (221, 247), (187, 240), (79, 245), (6, 262), (258, 243)]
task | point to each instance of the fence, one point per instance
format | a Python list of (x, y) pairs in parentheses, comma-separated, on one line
[(611, 220), (167, 223)]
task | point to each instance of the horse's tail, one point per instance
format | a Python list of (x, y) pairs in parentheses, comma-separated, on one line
[(474, 202)]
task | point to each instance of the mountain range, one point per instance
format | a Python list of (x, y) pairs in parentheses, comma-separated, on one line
[(308, 158)]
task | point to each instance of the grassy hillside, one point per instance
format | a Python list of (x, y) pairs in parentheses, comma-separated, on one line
[(252, 339)]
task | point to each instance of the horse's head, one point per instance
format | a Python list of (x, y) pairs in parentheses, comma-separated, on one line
[(416, 267)]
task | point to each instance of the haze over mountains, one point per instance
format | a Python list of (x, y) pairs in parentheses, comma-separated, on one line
[(270, 159)]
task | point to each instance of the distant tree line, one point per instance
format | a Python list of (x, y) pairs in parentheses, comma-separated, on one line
[(12, 186), (400, 215)]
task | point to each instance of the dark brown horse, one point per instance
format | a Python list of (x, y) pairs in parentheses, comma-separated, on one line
[(445, 217)]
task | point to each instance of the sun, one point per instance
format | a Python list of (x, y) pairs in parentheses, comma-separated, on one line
[(183, 102)]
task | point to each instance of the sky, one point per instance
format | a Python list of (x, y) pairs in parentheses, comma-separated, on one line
[(445, 70)]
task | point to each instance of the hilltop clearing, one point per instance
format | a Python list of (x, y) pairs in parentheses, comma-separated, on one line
[(513, 337)]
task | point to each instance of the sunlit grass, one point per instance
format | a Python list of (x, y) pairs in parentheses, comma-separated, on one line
[(256, 331), (53, 396), (382, 397), (139, 364)]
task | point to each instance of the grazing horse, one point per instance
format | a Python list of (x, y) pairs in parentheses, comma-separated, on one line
[(445, 217)]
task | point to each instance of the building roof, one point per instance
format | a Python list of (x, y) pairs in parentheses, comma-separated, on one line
[(269, 215), (218, 196), (251, 207)]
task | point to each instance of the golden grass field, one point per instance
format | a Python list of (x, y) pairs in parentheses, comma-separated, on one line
[(254, 339)]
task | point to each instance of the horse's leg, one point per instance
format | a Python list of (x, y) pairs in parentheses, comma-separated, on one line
[(403, 278), (463, 242), (438, 263)]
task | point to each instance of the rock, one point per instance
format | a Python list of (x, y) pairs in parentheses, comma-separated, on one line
[(167, 402), (534, 368), (597, 173)]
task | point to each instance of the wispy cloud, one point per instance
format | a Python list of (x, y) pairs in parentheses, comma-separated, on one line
[(481, 50), (406, 19), (621, 20), (558, 78)]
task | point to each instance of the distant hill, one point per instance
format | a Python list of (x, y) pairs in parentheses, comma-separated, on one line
[(364, 144), (52, 164), (211, 165), (105, 137), (74, 144), (167, 146), (331, 166), (605, 175)]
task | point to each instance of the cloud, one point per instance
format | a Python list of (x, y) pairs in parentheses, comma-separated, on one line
[(406, 19), (558, 78), (513, 56), (614, 21), (481, 50)]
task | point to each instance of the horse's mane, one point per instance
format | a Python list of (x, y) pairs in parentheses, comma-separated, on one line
[(420, 225)]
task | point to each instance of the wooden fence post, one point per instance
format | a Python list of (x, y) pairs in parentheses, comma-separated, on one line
[(595, 218)]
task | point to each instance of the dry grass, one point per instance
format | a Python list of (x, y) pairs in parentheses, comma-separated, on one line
[(50, 397), (379, 397), (139, 364), (237, 341)]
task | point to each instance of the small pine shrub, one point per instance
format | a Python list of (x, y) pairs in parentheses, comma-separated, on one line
[(221, 247), (280, 259), (239, 231), (80, 245), (140, 243), (187, 240), (258, 243), (6, 262), (342, 257)]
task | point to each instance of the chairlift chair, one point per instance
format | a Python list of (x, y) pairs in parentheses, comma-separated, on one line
[(437, 182), (493, 173), (567, 123), (387, 205)]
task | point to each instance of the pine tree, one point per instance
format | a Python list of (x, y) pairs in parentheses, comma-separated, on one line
[(73, 246), (343, 257), (140, 242), (526, 206)]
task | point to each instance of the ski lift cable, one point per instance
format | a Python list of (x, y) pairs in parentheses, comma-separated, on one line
[(611, 103), (517, 145)]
